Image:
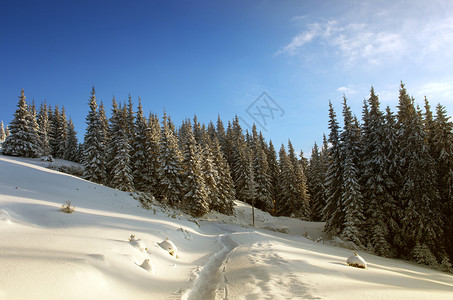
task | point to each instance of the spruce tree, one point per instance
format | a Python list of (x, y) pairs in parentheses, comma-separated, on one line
[(421, 224), (23, 139), (300, 196), (261, 175), (315, 179), (274, 173), (94, 148), (71, 147), (351, 197), (2, 132), (375, 178), (443, 154), (120, 165), (152, 154), (170, 165), (194, 196), (139, 157), (334, 210), (44, 129), (225, 185), (284, 202), (242, 169)]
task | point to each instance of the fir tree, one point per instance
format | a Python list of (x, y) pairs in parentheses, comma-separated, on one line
[(139, 157), (375, 178), (274, 173), (44, 129), (351, 197), (316, 178), (442, 149), (334, 210), (23, 138), (261, 174), (2, 132), (284, 204), (225, 185), (194, 198), (152, 154), (419, 196), (242, 165), (300, 196), (170, 168), (94, 147), (71, 147), (120, 166)]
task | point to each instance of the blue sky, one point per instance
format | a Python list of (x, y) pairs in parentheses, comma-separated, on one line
[(218, 57)]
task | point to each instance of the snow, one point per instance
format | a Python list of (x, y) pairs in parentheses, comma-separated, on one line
[(109, 248), (357, 261)]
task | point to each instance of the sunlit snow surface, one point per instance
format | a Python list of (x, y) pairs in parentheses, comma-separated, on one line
[(46, 254)]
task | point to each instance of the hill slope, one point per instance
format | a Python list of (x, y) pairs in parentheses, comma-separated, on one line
[(46, 254)]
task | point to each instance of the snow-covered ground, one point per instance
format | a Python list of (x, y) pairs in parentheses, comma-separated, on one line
[(91, 253)]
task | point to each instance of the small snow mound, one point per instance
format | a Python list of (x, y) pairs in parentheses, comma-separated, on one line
[(168, 246), (356, 261), (5, 216), (137, 243), (146, 265)]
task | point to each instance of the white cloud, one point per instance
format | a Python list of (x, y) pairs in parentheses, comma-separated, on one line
[(436, 92), (346, 90), (376, 35)]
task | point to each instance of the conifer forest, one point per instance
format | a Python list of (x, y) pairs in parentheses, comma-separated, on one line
[(383, 183)]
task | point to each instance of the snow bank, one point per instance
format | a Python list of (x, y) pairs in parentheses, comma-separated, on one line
[(45, 254)]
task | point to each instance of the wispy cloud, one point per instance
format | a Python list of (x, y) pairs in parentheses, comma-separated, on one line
[(353, 41), (380, 36), (436, 91), (349, 90)]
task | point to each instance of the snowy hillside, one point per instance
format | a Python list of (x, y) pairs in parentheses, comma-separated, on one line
[(111, 248)]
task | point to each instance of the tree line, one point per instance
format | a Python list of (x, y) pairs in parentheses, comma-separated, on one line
[(386, 183), (195, 167)]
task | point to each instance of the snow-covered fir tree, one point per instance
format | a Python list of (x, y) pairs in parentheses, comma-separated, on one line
[(377, 182), (119, 151), (72, 144), (23, 139), (274, 173), (2, 132), (284, 202), (351, 197), (170, 165), (152, 154), (194, 195), (139, 158), (44, 129), (422, 224), (300, 197), (209, 170), (334, 210), (94, 146), (316, 178), (242, 169), (225, 185), (442, 149), (261, 173)]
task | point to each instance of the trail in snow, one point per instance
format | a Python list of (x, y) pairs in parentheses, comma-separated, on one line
[(206, 286)]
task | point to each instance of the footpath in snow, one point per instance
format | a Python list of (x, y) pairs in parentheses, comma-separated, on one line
[(111, 248)]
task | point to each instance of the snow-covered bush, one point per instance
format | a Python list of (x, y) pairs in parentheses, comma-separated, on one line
[(356, 261), (67, 208)]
